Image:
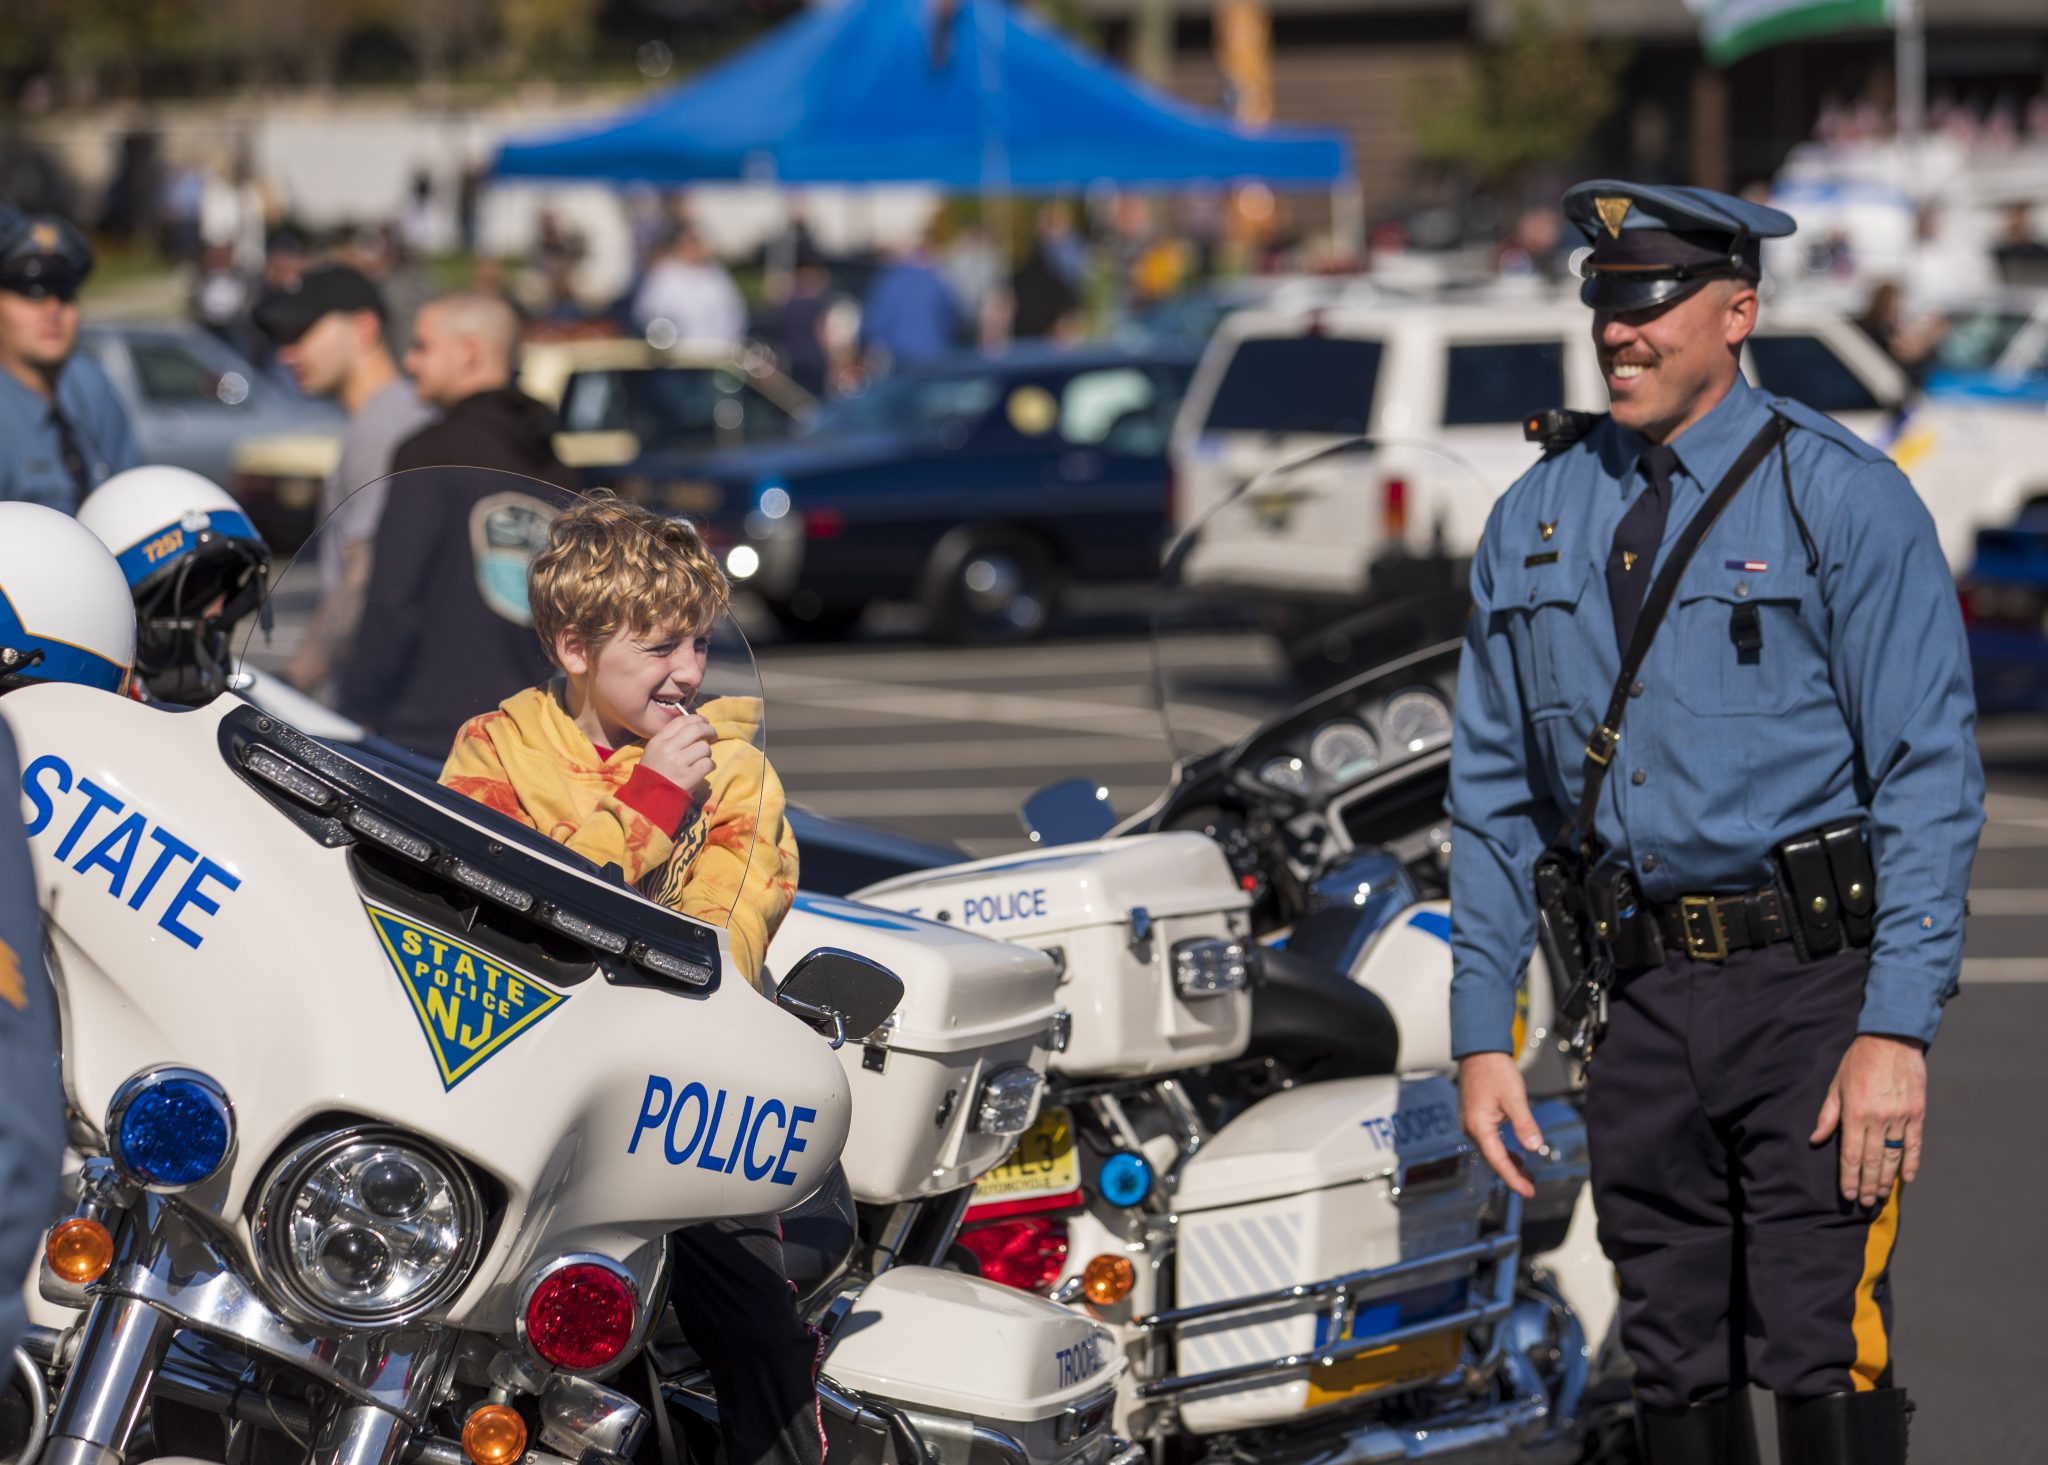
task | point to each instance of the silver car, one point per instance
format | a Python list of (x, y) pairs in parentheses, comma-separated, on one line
[(192, 398)]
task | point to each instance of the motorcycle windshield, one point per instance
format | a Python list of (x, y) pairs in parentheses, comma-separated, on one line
[(404, 629), (1319, 568)]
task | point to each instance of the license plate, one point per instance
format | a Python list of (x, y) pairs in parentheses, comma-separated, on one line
[(1403, 1363), (1043, 1163), (1398, 1363)]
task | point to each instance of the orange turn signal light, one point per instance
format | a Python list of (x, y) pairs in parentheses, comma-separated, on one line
[(1108, 1279), (79, 1250), (494, 1435)]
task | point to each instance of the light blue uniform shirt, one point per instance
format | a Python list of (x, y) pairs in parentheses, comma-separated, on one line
[(31, 1088), (1859, 702), (32, 455)]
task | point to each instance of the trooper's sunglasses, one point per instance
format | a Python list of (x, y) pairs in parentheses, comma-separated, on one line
[(61, 288)]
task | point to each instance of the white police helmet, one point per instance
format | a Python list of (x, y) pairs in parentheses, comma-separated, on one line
[(155, 518), (65, 611), (194, 564)]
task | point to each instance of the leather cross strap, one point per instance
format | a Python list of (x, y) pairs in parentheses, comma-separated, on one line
[(1600, 747)]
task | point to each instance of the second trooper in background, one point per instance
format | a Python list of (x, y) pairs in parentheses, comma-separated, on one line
[(63, 431)]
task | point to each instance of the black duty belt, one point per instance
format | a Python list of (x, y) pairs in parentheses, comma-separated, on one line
[(1709, 927)]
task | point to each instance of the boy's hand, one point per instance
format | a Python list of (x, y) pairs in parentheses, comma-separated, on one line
[(681, 753)]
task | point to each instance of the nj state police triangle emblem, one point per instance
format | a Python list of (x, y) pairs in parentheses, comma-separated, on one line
[(469, 1005)]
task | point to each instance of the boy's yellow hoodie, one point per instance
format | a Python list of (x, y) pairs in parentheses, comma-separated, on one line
[(734, 862)]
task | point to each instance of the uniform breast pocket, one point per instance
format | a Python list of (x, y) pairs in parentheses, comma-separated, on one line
[(1742, 649), (1542, 604)]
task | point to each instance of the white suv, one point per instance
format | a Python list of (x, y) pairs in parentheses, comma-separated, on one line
[(1459, 378)]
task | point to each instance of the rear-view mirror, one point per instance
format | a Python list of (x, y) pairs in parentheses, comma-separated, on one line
[(1072, 811), (842, 995)]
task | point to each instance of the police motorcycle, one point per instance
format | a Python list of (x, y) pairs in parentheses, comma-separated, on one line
[(384, 1104), (1252, 1168)]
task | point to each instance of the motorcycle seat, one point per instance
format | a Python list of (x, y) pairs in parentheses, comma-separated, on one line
[(1316, 1020)]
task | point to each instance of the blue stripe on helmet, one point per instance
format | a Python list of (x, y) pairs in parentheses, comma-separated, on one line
[(62, 661), (172, 542)]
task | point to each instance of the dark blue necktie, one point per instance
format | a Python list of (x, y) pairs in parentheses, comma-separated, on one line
[(1636, 541)]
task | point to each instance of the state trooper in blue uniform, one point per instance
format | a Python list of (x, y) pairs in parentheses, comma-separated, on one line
[(63, 431), (31, 1096), (1800, 728)]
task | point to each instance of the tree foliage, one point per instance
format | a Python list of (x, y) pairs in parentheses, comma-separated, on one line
[(92, 49), (1523, 103)]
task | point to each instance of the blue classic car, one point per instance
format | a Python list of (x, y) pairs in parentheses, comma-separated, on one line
[(978, 487)]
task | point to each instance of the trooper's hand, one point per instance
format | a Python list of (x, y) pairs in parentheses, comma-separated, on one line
[(1491, 1093), (1879, 1095), (681, 753)]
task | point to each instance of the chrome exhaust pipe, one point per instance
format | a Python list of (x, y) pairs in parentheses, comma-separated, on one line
[(28, 1378)]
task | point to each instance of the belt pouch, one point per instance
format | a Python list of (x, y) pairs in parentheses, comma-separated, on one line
[(1810, 886), (1855, 879), (1619, 916)]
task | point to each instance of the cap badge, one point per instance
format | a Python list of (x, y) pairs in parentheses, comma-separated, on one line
[(1612, 211), (44, 237)]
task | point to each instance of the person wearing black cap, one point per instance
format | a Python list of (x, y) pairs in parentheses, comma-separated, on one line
[(329, 329), (63, 431), (1715, 745)]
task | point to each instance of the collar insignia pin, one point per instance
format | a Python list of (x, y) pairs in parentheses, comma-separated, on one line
[(1612, 211)]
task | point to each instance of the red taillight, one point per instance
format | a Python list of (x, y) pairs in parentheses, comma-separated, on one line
[(824, 524), (580, 1317), (1394, 508), (1027, 1254)]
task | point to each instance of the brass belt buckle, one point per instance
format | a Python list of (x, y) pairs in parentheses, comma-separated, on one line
[(1713, 945), (1600, 747)]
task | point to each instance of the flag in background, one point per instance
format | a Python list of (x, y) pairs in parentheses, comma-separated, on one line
[(1732, 29)]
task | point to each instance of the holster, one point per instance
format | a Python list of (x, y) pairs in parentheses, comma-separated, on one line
[(1827, 882), (1634, 940), (1580, 957)]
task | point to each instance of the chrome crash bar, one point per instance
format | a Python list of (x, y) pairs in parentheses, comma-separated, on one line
[(1502, 1251)]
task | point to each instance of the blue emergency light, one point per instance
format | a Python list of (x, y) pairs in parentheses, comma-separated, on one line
[(170, 1128)]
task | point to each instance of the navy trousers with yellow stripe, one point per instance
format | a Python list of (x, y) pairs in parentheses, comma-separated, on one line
[(1739, 1260)]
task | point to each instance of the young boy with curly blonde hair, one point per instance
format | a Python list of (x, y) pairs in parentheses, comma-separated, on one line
[(617, 759)]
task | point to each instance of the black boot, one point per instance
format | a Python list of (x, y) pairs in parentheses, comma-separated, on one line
[(1718, 1432), (1867, 1428)]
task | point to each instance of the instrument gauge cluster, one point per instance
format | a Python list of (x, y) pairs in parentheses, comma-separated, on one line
[(1415, 722), (1344, 750), (1372, 735), (1289, 775)]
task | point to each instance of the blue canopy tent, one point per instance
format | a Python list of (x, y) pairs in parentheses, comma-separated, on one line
[(973, 95)]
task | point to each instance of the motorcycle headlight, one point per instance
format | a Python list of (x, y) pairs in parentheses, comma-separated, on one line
[(368, 1227)]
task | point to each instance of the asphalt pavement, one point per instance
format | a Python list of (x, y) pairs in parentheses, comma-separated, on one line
[(946, 742)]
